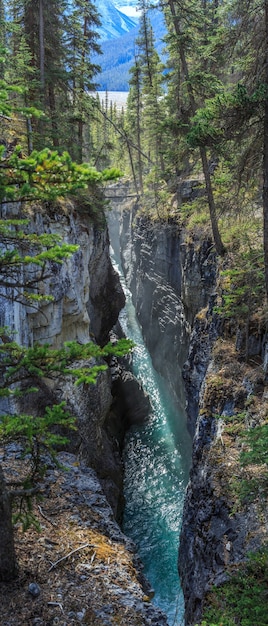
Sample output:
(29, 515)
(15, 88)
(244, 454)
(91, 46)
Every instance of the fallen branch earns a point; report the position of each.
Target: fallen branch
(63, 558)
(46, 518)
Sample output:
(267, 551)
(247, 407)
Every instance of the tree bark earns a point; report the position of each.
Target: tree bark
(42, 48)
(8, 568)
(2, 36)
(265, 159)
(53, 116)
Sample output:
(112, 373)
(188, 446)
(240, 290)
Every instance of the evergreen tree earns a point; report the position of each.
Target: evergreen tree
(151, 87)
(180, 28)
(81, 41)
(134, 120)
(2, 36)
(36, 31)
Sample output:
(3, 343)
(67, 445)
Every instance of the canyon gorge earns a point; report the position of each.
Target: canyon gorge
(172, 276)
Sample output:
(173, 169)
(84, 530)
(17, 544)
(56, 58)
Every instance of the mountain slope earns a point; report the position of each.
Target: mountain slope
(114, 22)
(118, 55)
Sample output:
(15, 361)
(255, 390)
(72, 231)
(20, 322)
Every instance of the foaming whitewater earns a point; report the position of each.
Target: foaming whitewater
(156, 460)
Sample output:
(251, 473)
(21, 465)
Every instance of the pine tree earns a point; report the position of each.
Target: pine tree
(2, 36)
(151, 87)
(265, 154)
(176, 18)
(81, 41)
(134, 120)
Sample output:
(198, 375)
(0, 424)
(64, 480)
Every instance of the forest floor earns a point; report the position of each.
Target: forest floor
(78, 568)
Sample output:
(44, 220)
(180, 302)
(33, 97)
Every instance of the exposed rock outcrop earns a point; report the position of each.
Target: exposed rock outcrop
(173, 283)
(220, 524)
(170, 282)
(87, 297)
(81, 568)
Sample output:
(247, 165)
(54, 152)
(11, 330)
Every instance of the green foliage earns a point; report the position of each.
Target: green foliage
(24, 515)
(257, 441)
(243, 286)
(21, 250)
(221, 116)
(256, 453)
(204, 131)
(36, 434)
(20, 366)
(242, 601)
(20, 363)
(46, 175)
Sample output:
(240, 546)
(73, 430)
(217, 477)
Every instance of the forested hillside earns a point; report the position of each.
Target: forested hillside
(118, 55)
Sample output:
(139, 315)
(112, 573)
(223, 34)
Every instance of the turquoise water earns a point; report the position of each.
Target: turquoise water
(156, 458)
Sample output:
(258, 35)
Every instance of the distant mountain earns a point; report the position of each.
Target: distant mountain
(114, 23)
(129, 7)
(119, 54)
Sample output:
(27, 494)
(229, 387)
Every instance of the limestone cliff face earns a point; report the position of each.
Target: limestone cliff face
(170, 281)
(87, 299)
(86, 290)
(173, 284)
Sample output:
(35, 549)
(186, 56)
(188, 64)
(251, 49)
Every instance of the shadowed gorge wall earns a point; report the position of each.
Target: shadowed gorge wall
(173, 281)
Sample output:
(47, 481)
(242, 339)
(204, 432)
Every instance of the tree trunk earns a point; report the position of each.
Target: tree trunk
(42, 49)
(203, 153)
(139, 110)
(2, 36)
(53, 116)
(7, 551)
(265, 160)
(212, 209)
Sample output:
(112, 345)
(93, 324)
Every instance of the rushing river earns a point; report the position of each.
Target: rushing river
(156, 458)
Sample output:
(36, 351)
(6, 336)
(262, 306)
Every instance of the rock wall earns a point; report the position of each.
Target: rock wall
(170, 281)
(221, 524)
(87, 298)
(173, 280)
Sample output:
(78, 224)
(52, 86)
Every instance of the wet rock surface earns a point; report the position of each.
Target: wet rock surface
(131, 403)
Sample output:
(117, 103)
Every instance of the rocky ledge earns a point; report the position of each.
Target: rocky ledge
(225, 512)
(79, 568)
(173, 279)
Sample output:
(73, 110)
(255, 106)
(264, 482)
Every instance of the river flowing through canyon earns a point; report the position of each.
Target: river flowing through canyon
(156, 460)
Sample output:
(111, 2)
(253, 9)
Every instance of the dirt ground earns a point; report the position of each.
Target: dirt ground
(75, 569)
